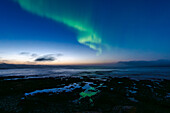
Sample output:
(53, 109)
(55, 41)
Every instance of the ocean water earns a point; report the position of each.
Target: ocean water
(141, 73)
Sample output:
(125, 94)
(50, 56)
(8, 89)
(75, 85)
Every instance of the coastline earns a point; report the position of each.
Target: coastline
(84, 93)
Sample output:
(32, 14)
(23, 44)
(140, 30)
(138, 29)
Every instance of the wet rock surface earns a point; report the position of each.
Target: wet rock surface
(84, 94)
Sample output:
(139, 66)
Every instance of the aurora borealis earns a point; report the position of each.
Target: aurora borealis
(65, 11)
(101, 31)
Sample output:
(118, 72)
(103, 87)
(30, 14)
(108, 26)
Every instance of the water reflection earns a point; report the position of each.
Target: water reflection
(86, 90)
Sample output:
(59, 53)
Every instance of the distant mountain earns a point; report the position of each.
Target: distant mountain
(15, 66)
(157, 63)
(4, 66)
(124, 64)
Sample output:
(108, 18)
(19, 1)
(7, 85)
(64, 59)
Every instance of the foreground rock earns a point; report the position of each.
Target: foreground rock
(84, 94)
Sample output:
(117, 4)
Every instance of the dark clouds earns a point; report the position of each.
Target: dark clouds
(34, 55)
(24, 53)
(45, 59)
(59, 54)
(162, 62)
(48, 57)
(28, 54)
(42, 58)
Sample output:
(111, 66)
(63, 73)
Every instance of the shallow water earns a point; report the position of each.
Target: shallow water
(133, 73)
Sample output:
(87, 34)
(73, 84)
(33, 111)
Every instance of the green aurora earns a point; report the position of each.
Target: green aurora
(75, 15)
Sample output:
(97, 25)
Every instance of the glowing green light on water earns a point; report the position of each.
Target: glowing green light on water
(89, 93)
(65, 11)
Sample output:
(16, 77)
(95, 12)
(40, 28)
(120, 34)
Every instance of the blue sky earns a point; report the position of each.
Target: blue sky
(84, 31)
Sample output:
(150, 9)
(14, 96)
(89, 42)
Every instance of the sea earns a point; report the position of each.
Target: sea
(98, 72)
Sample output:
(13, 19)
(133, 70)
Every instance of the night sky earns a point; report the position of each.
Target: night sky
(83, 31)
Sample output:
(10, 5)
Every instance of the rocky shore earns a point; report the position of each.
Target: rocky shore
(83, 95)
